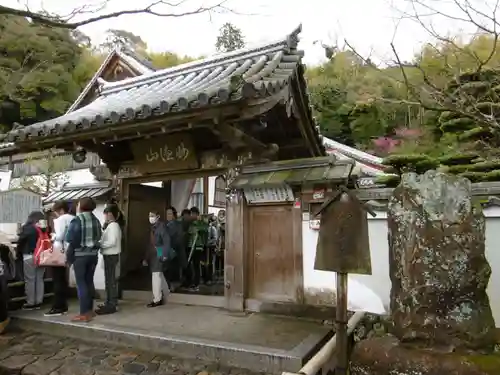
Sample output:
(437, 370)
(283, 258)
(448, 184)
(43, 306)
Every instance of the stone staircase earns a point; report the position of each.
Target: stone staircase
(17, 296)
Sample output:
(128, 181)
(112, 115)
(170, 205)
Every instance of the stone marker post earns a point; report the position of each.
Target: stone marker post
(437, 263)
(441, 314)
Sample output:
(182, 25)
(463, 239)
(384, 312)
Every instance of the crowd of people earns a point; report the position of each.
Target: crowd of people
(180, 248)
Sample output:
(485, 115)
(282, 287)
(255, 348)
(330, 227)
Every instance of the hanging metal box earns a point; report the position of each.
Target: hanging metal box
(343, 244)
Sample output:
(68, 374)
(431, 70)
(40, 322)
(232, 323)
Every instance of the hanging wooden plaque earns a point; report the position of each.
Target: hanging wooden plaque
(343, 244)
(167, 153)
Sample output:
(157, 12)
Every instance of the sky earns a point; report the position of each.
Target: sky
(368, 25)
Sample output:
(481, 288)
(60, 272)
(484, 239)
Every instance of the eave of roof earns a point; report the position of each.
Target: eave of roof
(75, 192)
(131, 61)
(294, 172)
(353, 153)
(248, 73)
(136, 62)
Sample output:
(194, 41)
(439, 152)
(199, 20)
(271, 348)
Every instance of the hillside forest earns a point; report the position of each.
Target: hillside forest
(438, 110)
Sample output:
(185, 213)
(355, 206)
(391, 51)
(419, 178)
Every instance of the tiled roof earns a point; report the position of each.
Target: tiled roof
(75, 192)
(247, 73)
(137, 62)
(294, 172)
(141, 66)
(352, 152)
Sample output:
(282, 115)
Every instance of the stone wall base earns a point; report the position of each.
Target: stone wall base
(384, 356)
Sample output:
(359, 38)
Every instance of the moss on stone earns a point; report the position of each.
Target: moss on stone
(488, 363)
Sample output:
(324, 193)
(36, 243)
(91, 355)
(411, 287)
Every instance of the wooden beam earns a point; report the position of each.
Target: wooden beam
(236, 111)
(236, 138)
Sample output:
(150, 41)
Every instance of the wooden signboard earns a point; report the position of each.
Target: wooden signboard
(282, 193)
(169, 153)
(343, 244)
(102, 173)
(220, 159)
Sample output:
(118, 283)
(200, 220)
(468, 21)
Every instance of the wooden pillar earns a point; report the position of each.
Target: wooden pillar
(298, 253)
(234, 268)
(167, 189)
(124, 205)
(206, 195)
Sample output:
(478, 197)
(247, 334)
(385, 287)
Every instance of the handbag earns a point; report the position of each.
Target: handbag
(171, 254)
(72, 277)
(52, 258)
(45, 255)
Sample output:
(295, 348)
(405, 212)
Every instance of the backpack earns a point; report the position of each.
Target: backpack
(43, 246)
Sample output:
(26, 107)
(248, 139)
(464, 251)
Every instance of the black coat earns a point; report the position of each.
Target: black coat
(26, 242)
(178, 236)
(160, 237)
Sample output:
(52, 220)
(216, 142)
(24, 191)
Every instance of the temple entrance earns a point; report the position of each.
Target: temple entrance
(159, 196)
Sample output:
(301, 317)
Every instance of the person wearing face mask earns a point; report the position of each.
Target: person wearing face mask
(160, 247)
(33, 275)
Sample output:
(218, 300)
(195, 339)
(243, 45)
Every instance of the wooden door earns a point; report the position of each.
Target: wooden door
(142, 200)
(272, 269)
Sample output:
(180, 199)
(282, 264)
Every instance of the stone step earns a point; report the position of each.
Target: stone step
(271, 358)
(17, 295)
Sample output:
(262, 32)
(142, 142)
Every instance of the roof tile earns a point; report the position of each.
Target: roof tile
(250, 72)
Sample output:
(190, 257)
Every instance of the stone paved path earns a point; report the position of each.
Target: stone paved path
(36, 354)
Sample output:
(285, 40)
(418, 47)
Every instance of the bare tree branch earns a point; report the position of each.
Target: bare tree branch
(152, 9)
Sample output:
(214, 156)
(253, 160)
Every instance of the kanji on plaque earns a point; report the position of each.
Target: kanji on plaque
(172, 152)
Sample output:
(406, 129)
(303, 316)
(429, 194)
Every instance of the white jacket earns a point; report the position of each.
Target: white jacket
(61, 225)
(111, 240)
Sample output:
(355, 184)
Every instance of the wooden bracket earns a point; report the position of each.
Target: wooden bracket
(236, 138)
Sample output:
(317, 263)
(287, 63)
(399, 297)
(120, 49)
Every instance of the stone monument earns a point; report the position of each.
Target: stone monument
(441, 315)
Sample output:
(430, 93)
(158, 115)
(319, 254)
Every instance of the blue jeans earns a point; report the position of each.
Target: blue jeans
(84, 274)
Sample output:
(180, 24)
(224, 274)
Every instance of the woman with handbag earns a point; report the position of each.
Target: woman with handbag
(35, 226)
(59, 273)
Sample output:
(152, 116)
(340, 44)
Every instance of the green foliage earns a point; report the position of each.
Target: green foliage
(36, 71)
(50, 172)
(230, 38)
(162, 60)
(118, 38)
(346, 95)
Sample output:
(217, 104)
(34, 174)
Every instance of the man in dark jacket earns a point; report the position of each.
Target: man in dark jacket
(159, 252)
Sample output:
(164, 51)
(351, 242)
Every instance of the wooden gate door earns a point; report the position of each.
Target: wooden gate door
(272, 272)
(142, 200)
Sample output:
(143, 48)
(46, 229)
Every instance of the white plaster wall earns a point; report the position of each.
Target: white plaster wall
(5, 180)
(79, 177)
(379, 282)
